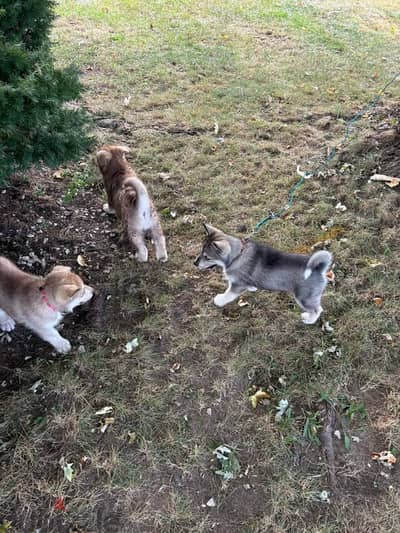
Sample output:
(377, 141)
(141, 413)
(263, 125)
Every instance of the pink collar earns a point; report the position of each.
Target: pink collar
(46, 300)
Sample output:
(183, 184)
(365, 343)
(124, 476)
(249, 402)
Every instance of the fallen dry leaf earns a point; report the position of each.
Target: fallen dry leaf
(211, 503)
(258, 397)
(81, 261)
(131, 437)
(175, 367)
(330, 275)
(105, 410)
(390, 181)
(68, 471)
(385, 457)
(131, 345)
(327, 327)
(58, 175)
(107, 422)
(373, 264)
(340, 207)
(164, 176)
(281, 408)
(303, 174)
(59, 504)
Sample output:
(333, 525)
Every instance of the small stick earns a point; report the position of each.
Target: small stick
(327, 442)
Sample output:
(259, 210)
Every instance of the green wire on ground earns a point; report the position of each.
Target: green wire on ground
(303, 176)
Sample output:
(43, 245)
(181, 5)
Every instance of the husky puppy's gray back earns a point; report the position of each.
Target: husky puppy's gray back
(264, 267)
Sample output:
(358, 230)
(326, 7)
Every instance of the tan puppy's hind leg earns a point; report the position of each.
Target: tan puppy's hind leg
(159, 244)
(142, 253)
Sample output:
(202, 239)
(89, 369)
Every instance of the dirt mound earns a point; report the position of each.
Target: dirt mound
(39, 230)
(378, 149)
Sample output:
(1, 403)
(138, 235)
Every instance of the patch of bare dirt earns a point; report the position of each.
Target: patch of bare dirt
(378, 150)
(38, 230)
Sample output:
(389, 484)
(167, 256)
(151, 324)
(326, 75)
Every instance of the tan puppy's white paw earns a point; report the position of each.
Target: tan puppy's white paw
(62, 345)
(7, 324)
(142, 257)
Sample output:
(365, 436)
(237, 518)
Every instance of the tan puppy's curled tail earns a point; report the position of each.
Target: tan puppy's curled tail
(129, 193)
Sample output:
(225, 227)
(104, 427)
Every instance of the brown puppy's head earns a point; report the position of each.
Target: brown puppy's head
(66, 289)
(111, 158)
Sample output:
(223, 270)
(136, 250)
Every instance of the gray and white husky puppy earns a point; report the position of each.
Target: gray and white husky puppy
(248, 265)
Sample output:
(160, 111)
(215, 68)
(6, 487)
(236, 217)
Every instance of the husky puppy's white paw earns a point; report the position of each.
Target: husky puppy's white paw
(311, 317)
(219, 300)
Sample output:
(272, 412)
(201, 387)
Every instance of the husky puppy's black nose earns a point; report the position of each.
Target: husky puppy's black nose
(196, 263)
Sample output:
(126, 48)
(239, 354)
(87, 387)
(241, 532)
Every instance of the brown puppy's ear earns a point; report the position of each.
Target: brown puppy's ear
(63, 293)
(103, 158)
(123, 149)
(210, 230)
(223, 246)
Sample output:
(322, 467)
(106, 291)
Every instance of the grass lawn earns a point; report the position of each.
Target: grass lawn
(219, 102)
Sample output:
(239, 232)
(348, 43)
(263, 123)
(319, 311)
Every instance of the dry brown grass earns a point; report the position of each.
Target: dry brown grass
(272, 75)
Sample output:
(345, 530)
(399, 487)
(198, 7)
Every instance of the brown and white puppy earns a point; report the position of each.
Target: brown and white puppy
(129, 200)
(40, 303)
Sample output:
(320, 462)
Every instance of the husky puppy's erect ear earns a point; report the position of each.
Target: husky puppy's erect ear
(222, 246)
(210, 230)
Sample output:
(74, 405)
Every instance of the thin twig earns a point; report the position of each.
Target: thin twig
(327, 442)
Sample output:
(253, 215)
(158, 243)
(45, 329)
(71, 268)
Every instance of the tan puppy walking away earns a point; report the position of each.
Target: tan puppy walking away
(129, 200)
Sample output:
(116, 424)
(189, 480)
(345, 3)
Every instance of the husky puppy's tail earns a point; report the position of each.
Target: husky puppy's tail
(319, 261)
